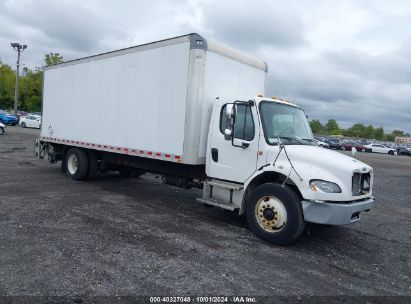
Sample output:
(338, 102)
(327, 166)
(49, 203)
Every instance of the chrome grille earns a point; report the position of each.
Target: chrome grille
(361, 183)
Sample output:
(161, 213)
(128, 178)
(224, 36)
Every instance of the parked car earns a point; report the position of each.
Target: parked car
(333, 143)
(377, 148)
(30, 121)
(321, 143)
(2, 129)
(21, 114)
(404, 151)
(350, 144)
(8, 119)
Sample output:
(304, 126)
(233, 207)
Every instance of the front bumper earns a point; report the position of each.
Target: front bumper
(335, 213)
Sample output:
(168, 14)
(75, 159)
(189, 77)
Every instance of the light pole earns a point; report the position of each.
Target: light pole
(19, 49)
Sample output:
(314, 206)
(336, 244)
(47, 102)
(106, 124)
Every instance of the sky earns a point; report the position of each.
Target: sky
(342, 59)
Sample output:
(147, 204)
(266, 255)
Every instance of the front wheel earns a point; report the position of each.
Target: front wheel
(391, 152)
(23, 125)
(274, 214)
(1, 130)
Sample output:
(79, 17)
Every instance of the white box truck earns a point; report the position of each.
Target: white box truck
(184, 108)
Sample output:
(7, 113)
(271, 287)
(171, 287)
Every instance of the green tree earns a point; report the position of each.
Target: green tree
(332, 127)
(53, 58)
(397, 133)
(379, 133)
(31, 90)
(389, 137)
(7, 83)
(357, 130)
(369, 132)
(316, 126)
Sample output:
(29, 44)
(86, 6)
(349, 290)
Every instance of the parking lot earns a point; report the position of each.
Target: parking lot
(136, 236)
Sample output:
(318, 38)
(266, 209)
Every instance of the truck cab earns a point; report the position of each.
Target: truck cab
(262, 160)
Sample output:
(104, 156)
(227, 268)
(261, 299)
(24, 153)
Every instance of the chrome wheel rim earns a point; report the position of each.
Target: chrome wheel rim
(271, 214)
(72, 164)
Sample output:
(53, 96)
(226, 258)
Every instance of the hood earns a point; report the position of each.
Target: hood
(312, 162)
(10, 116)
(321, 157)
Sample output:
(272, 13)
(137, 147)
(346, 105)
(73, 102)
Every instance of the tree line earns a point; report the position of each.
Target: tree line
(357, 130)
(30, 85)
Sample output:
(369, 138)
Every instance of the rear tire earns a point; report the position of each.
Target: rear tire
(274, 214)
(76, 164)
(391, 152)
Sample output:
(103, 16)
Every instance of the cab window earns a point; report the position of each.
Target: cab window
(244, 124)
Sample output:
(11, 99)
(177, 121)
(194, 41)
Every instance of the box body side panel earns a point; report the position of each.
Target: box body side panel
(136, 100)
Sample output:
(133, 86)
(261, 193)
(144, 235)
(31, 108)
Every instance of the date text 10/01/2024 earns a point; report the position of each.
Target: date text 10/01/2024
(207, 299)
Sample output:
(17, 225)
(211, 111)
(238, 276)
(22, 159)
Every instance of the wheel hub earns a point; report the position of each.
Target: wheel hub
(268, 214)
(271, 214)
(72, 164)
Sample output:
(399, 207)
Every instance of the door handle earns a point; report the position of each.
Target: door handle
(214, 154)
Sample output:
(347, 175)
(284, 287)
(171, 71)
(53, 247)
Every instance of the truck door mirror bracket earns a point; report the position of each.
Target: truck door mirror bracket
(228, 134)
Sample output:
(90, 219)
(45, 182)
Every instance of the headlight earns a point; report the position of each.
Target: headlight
(324, 186)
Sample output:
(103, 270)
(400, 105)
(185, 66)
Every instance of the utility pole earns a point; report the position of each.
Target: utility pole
(19, 49)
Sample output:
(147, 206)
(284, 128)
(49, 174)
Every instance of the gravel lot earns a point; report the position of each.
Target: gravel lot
(119, 236)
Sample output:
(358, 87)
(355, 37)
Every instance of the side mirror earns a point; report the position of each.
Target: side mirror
(229, 110)
(228, 133)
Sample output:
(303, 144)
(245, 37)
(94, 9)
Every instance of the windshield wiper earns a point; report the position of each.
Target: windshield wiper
(290, 138)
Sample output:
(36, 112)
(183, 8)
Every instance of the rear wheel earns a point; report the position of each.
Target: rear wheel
(76, 164)
(274, 214)
(391, 152)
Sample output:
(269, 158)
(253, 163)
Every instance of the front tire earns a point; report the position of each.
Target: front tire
(76, 164)
(391, 152)
(1, 130)
(23, 125)
(274, 214)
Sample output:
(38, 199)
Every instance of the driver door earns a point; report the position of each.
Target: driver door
(233, 159)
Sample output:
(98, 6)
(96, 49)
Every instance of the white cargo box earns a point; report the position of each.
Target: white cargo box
(152, 100)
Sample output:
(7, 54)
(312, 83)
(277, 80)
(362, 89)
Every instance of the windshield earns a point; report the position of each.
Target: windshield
(287, 123)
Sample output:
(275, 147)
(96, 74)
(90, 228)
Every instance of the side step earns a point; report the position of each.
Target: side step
(217, 203)
(225, 185)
